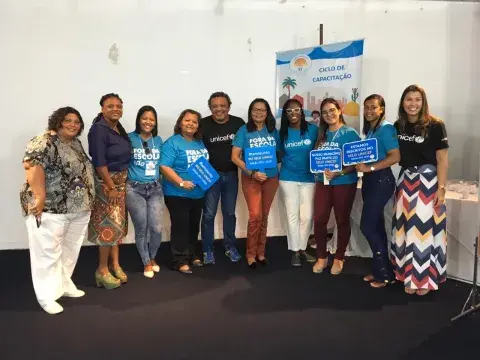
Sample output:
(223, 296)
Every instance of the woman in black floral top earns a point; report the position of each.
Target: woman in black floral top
(57, 199)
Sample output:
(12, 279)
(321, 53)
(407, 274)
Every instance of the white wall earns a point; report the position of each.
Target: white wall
(174, 54)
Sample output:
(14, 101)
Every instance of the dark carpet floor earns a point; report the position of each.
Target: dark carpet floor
(228, 311)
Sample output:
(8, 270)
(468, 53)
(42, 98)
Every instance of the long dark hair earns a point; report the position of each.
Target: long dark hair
(269, 121)
(366, 124)
(120, 128)
(284, 121)
(140, 112)
(177, 129)
(424, 117)
(322, 133)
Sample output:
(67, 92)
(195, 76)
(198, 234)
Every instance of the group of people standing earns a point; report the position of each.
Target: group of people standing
(67, 193)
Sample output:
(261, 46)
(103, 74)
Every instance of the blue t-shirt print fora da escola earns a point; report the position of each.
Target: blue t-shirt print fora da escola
(296, 155)
(179, 154)
(144, 160)
(335, 140)
(245, 139)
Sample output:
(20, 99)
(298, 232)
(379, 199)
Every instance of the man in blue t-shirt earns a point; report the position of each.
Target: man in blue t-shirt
(218, 131)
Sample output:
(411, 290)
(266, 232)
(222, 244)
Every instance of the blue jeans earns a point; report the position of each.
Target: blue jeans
(377, 189)
(226, 189)
(145, 206)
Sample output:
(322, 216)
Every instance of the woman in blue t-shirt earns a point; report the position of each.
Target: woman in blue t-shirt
(144, 191)
(378, 186)
(297, 183)
(183, 198)
(340, 190)
(259, 185)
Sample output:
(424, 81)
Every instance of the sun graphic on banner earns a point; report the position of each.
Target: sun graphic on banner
(300, 64)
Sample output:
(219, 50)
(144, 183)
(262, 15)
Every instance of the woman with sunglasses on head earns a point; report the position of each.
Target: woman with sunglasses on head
(419, 244)
(260, 185)
(378, 186)
(144, 191)
(183, 198)
(110, 149)
(340, 191)
(297, 183)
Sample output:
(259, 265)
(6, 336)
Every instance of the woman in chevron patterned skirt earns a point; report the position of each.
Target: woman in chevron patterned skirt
(419, 240)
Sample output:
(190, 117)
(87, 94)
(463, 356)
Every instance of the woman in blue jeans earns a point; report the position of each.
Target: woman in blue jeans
(378, 186)
(144, 191)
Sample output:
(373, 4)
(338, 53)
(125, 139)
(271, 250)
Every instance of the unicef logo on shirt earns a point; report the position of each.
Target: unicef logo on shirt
(307, 142)
(419, 139)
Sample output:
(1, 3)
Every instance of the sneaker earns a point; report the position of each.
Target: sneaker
(74, 294)
(307, 257)
(52, 308)
(233, 255)
(208, 258)
(296, 260)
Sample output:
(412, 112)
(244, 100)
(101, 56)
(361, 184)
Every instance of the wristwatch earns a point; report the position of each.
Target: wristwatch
(372, 168)
(181, 184)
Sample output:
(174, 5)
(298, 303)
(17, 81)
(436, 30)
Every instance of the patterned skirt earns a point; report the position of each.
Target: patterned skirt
(109, 224)
(419, 242)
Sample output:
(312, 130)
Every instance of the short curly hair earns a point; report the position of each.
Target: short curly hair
(55, 120)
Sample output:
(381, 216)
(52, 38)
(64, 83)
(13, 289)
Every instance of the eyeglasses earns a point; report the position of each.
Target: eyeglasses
(259, 111)
(294, 110)
(329, 111)
(146, 148)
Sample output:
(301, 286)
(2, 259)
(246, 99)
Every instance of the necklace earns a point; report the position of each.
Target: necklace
(336, 133)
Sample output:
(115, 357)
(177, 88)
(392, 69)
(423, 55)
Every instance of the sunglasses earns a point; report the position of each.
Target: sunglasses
(146, 148)
(294, 110)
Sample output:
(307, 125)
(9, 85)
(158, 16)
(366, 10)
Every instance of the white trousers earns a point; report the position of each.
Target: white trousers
(54, 250)
(296, 201)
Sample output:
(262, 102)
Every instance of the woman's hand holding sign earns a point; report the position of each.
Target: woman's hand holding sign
(260, 176)
(330, 175)
(188, 185)
(362, 168)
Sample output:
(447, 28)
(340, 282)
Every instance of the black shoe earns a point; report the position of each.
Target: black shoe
(307, 257)
(264, 262)
(253, 265)
(296, 260)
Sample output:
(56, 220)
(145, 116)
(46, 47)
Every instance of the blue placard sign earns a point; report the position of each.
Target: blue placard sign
(325, 159)
(260, 158)
(357, 152)
(203, 174)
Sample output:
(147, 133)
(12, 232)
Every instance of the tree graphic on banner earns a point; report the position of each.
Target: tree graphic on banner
(289, 83)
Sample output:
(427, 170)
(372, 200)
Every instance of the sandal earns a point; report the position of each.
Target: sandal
(119, 274)
(337, 267)
(197, 263)
(185, 269)
(368, 278)
(378, 285)
(410, 291)
(320, 265)
(422, 292)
